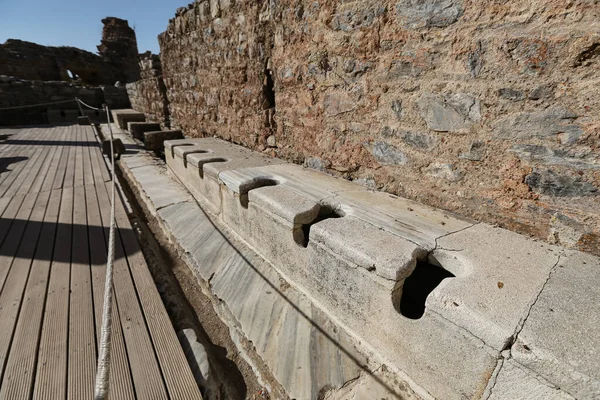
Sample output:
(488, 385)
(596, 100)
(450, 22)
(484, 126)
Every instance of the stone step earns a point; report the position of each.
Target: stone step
(124, 116)
(137, 129)
(154, 140)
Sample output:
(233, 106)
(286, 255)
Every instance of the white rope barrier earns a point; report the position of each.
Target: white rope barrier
(37, 105)
(88, 106)
(103, 370)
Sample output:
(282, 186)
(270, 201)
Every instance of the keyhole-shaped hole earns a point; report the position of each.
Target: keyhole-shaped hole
(418, 286)
(325, 212)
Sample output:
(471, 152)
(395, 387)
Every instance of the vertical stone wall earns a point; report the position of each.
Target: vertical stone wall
(149, 94)
(486, 109)
(215, 66)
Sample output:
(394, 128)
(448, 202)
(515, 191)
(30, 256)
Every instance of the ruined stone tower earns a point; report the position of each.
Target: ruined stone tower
(119, 48)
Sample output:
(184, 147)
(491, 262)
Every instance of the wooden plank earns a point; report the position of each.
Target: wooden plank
(55, 164)
(87, 142)
(78, 159)
(82, 340)
(31, 170)
(15, 278)
(19, 174)
(144, 366)
(20, 368)
(22, 150)
(121, 385)
(43, 171)
(92, 148)
(14, 233)
(8, 216)
(104, 170)
(13, 150)
(95, 165)
(176, 372)
(51, 372)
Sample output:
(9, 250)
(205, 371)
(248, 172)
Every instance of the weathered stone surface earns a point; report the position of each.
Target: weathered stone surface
(508, 281)
(195, 351)
(351, 16)
(117, 146)
(124, 117)
(149, 94)
(323, 91)
(541, 92)
(386, 153)
(554, 122)
(397, 108)
(32, 61)
(137, 129)
(552, 184)
(418, 140)
(154, 140)
(449, 113)
(443, 171)
(476, 152)
(515, 382)
(511, 94)
(369, 247)
(560, 336)
(336, 104)
(425, 14)
(546, 155)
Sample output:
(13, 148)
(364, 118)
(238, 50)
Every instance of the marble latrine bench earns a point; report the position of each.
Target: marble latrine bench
(437, 296)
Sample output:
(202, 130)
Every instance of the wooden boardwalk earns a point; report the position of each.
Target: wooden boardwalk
(55, 211)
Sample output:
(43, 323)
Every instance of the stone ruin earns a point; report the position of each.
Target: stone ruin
(117, 60)
(32, 74)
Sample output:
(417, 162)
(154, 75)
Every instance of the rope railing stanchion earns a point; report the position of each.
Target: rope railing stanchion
(103, 370)
(79, 105)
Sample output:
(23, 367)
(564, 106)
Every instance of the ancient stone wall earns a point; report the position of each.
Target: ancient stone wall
(117, 59)
(15, 93)
(487, 109)
(148, 94)
(119, 49)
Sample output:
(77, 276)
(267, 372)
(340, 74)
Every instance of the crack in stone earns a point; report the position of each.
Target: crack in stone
(521, 324)
(436, 247)
(494, 378)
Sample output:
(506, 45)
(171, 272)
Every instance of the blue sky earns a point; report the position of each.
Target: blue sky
(77, 23)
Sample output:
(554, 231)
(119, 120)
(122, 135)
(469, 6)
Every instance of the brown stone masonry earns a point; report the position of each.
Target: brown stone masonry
(487, 109)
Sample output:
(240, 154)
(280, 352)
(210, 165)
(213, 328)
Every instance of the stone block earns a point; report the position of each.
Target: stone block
(117, 146)
(539, 124)
(560, 337)
(137, 129)
(285, 328)
(428, 13)
(515, 382)
(449, 113)
(353, 250)
(154, 140)
(498, 275)
(83, 120)
(198, 162)
(122, 117)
